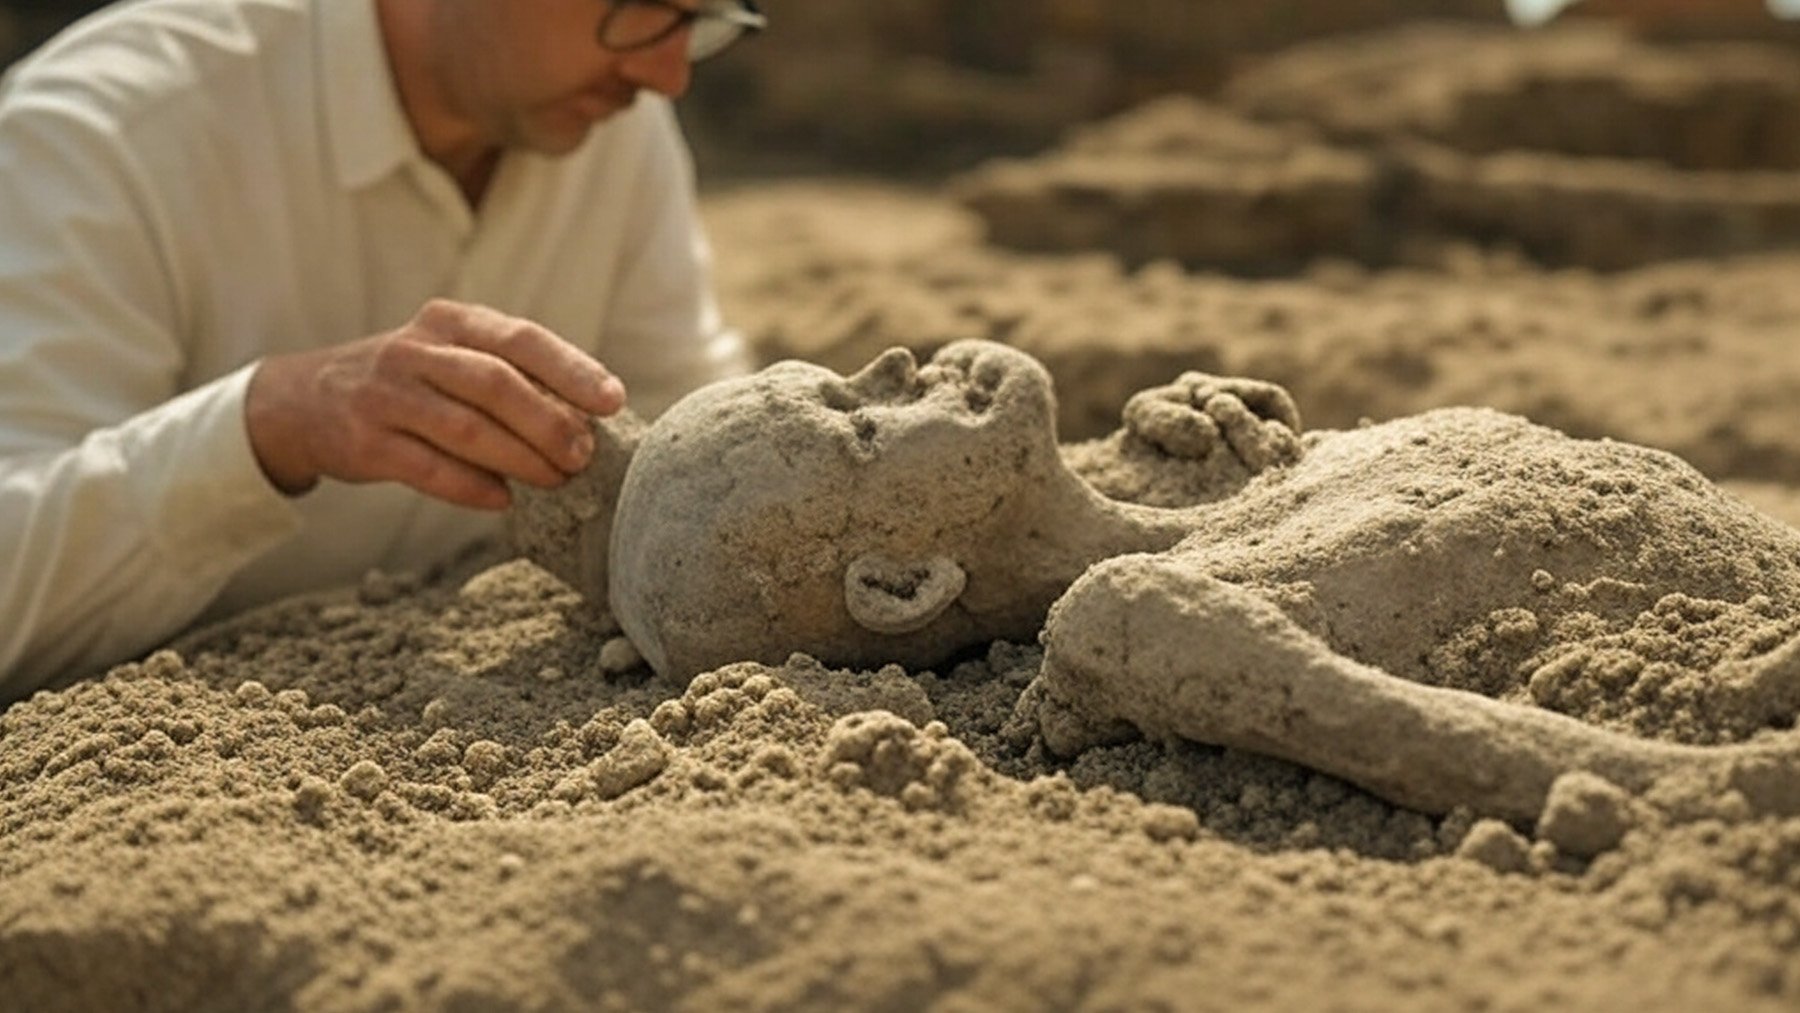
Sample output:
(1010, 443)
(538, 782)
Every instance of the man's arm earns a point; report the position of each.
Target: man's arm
(126, 503)
(123, 506)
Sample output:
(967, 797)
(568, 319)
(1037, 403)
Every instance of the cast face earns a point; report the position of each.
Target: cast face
(903, 449)
(531, 74)
(749, 502)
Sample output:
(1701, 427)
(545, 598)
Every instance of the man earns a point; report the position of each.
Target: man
(292, 289)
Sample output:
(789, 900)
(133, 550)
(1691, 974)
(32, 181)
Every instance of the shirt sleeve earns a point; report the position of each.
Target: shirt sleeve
(128, 490)
(664, 335)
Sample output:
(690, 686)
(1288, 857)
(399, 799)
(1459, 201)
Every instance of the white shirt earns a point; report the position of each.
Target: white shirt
(187, 186)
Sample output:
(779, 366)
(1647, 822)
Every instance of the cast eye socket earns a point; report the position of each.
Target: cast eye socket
(864, 425)
(988, 374)
(837, 396)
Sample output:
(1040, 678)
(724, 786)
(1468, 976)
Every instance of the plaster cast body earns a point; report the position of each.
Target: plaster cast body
(906, 513)
(897, 515)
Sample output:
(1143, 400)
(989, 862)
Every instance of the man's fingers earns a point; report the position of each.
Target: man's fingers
(455, 404)
(465, 432)
(565, 370)
(554, 429)
(417, 463)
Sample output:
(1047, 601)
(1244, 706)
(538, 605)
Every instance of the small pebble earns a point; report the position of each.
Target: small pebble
(1585, 815)
(638, 758)
(1495, 845)
(618, 656)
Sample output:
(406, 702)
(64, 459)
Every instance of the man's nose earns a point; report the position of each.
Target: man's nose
(663, 68)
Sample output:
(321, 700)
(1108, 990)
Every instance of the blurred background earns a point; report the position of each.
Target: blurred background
(929, 85)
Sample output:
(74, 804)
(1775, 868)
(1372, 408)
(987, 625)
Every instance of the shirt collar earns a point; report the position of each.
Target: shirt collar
(365, 124)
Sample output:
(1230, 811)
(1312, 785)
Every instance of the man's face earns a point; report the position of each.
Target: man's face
(532, 74)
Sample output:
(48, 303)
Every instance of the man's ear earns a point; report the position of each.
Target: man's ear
(567, 530)
(893, 596)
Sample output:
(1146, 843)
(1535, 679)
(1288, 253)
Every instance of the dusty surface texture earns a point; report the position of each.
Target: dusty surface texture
(467, 791)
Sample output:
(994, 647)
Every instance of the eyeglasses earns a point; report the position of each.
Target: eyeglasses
(640, 24)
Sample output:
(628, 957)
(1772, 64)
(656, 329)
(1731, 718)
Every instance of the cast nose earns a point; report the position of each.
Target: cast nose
(663, 68)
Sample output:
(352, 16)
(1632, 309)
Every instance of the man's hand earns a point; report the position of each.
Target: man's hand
(454, 403)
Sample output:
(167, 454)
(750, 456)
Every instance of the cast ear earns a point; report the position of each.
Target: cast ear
(567, 530)
(900, 596)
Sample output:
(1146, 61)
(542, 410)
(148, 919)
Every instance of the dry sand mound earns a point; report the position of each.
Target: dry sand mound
(1185, 180)
(1582, 89)
(1576, 145)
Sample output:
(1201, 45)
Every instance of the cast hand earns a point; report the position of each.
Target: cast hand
(455, 403)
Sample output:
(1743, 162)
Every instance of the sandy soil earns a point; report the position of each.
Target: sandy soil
(464, 791)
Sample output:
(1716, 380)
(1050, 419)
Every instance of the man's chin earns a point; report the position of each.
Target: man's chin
(562, 128)
(558, 143)
(594, 108)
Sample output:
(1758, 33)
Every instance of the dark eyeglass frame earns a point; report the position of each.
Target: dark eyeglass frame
(718, 25)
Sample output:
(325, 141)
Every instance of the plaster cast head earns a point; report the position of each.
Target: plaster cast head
(875, 518)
